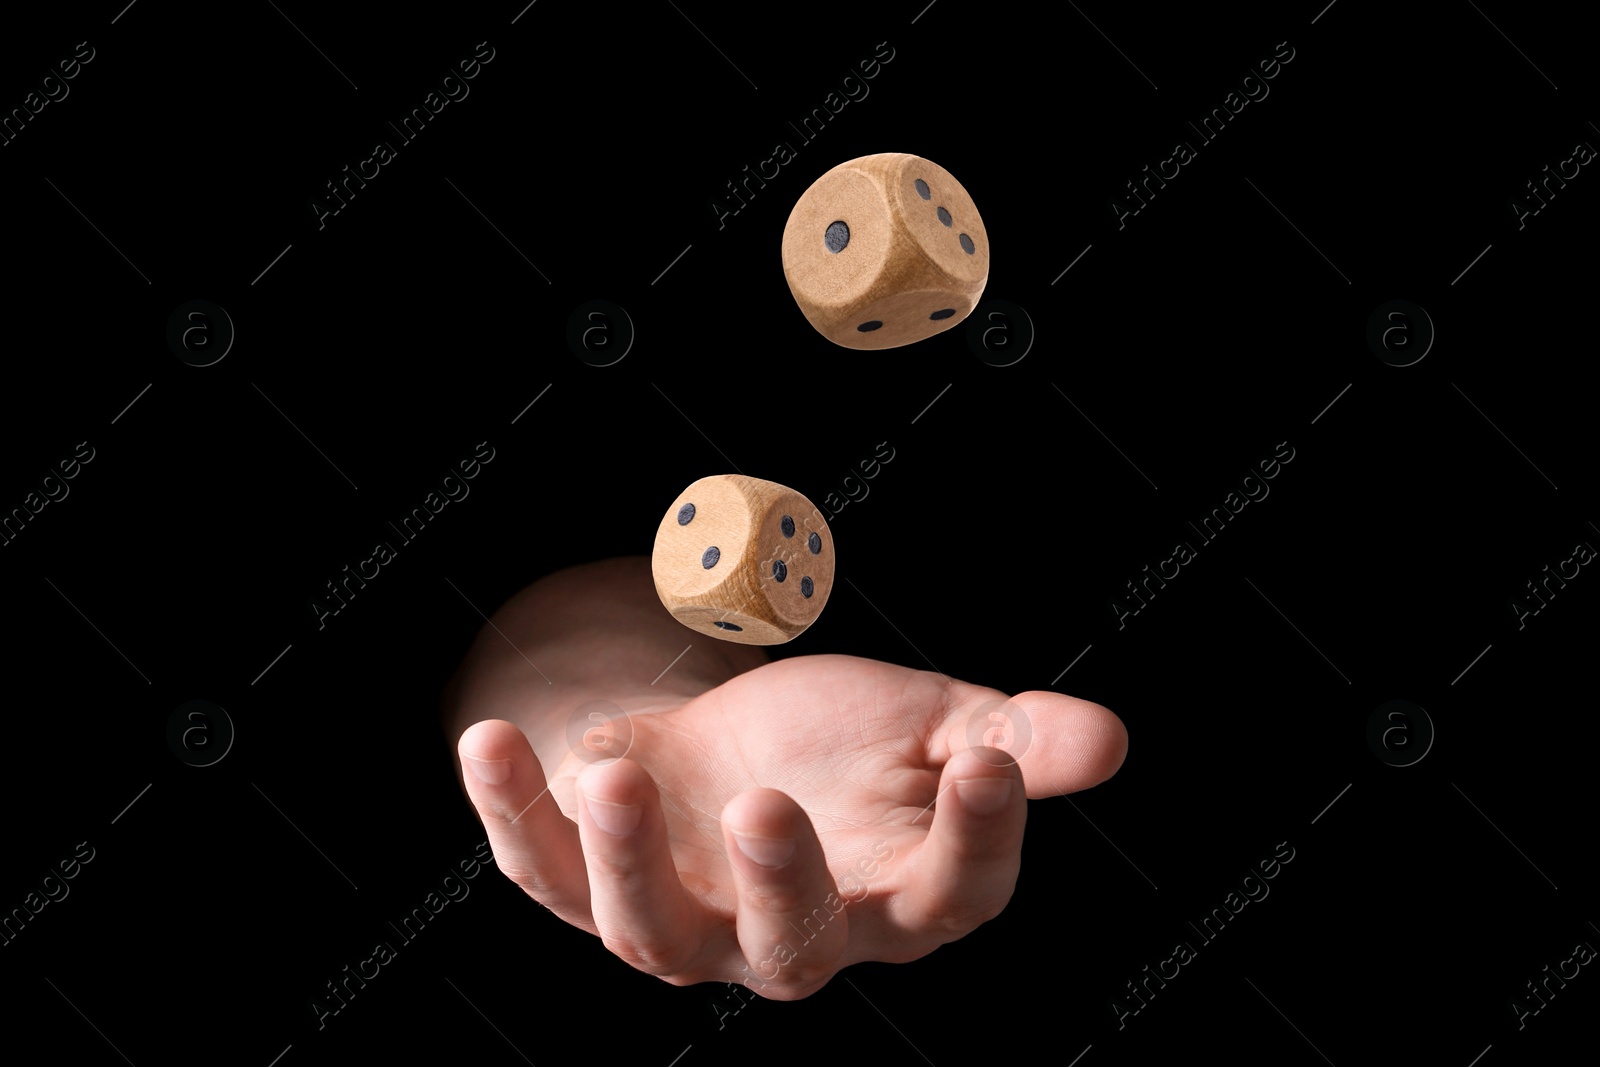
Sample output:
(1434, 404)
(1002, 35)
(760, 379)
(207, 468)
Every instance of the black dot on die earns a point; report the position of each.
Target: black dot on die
(685, 514)
(719, 624)
(709, 558)
(780, 570)
(922, 189)
(814, 543)
(944, 217)
(868, 327)
(945, 314)
(836, 237)
(966, 245)
(807, 587)
(787, 526)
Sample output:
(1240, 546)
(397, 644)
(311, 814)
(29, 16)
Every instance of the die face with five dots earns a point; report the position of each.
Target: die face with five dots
(884, 251)
(743, 560)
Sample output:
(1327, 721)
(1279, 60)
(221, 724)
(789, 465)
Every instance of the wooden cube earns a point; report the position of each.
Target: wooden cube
(884, 251)
(745, 560)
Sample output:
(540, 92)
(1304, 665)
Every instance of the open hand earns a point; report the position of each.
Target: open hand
(799, 817)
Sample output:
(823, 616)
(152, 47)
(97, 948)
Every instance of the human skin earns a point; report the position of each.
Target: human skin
(746, 794)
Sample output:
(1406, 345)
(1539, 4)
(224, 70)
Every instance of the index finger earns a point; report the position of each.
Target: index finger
(535, 845)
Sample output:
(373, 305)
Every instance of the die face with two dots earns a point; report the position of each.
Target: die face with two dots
(884, 251)
(743, 560)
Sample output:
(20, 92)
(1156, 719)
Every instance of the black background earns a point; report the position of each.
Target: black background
(1179, 350)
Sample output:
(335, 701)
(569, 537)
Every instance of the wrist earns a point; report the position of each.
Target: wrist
(594, 632)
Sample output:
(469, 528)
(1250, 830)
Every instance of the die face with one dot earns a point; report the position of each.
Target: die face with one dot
(743, 560)
(884, 251)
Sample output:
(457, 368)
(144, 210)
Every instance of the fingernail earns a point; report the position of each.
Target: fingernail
(490, 771)
(618, 820)
(983, 796)
(767, 851)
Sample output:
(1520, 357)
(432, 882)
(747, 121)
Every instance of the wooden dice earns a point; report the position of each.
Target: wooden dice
(885, 250)
(743, 560)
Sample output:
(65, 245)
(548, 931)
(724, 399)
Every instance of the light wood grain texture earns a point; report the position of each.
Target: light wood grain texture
(760, 572)
(902, 262)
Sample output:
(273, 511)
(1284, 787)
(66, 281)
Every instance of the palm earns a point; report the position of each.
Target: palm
(847, 739)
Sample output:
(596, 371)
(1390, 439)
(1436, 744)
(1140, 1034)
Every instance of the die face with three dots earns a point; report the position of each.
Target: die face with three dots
(884, 251)
(743, 560)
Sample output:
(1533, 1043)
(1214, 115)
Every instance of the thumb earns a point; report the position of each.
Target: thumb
(1062, 744)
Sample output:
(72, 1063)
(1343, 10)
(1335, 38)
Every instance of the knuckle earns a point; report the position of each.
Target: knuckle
(798, 988)
(652, 955)
(525, 875)
(782, 898)
(623, 871)
(540, 889)
(957, 918)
